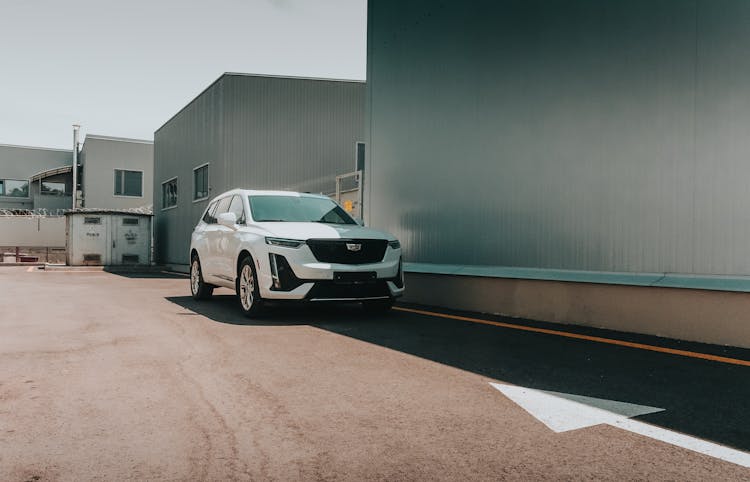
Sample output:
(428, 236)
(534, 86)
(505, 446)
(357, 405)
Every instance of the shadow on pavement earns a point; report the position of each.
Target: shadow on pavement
(136, 274)
(702, 398)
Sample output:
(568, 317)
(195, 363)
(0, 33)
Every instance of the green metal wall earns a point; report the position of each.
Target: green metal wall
(584, 135)
(256, 132)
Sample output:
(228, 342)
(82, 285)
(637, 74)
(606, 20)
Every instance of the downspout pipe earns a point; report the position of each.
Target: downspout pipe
(75, 165)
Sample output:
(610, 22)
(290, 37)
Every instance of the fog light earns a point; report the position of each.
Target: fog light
(399, 282)
(274, 271)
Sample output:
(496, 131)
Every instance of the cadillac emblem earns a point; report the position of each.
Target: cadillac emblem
(354, 247)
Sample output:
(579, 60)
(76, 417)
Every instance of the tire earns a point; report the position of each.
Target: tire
(378, 306)
(199, 288)
(246, 287)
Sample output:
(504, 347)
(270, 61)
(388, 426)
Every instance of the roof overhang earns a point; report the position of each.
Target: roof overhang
(51, 172)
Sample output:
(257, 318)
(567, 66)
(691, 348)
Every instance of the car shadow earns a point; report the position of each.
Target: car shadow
(702, 398)
(224, 309)
(143, 274)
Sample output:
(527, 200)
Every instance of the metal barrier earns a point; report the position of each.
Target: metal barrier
(38, 254)
(350, 196)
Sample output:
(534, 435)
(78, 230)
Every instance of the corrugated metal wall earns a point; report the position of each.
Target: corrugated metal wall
(256, 132)
(189, 139)
(562, 134)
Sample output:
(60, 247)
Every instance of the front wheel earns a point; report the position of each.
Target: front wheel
(247, 289)
(378, 306)
(198, 287)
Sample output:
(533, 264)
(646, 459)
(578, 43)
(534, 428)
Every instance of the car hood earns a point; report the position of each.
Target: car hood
(322, 231)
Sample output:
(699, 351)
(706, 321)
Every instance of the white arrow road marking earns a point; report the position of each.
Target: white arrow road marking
(563, 411)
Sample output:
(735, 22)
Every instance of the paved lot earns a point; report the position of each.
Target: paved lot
(111, 377)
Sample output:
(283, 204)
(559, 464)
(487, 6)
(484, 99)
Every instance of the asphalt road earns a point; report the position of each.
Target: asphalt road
(111, 377)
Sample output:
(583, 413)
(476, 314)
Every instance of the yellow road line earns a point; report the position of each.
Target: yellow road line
(598, 339)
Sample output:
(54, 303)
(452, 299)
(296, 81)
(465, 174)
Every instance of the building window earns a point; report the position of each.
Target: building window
(169, 193)
(360, 156)
(14, 188)
(200, 182)
(53, 188)
(128, 183)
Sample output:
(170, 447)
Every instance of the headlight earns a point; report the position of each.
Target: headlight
(287, 243)
(394, 244)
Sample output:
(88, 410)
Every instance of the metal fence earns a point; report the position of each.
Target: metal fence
(42, 254)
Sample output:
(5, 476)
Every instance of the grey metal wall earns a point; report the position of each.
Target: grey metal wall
(100, 156)
(562, 134)
(256, 132)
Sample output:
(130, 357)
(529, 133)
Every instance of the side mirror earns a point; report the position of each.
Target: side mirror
(228, 219)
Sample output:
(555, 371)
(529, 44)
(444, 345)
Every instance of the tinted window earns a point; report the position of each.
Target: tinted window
(128, 183)
(236, 208)
(169, 194)
(57, 188)
(209, 216)
(223, 206)
(15, 188)
(200, 183)
(297, 209)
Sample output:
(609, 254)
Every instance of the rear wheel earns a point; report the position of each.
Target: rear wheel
(198, 287)
(378, 306)
(247, 289)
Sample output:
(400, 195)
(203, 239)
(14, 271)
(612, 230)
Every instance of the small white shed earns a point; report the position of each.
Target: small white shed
(107, 237)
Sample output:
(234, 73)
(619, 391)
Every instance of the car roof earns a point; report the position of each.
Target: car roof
(256, 192)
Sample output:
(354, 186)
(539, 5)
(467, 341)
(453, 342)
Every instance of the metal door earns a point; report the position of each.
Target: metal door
(88, 239)
(130, 240)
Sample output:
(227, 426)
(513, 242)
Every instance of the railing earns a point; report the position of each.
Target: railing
(38, 254)
(61, 212)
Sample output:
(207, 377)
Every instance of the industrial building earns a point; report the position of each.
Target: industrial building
(254, 132)
(117, 173)
(35, 177)
(114, 173)
(36, 187)
(579, 161)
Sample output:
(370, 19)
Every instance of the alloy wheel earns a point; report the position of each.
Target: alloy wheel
(195, 276)
(247, 287)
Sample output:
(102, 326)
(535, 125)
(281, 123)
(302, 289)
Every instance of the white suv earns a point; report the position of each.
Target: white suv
(277, 245)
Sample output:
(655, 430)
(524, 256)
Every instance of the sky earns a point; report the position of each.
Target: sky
(123, 68)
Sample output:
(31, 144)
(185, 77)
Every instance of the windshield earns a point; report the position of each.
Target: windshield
(297, 209)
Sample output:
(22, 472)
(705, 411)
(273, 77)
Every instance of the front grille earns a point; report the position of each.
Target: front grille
(332, 290)
(336, 250)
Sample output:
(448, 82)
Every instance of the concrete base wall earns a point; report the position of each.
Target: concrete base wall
(716, 317)
(36, 231)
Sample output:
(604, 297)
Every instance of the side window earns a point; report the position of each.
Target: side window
(200, 182)
(209, 217)
(223, 206)
(169, 193)
(236, 208)
(128, 183)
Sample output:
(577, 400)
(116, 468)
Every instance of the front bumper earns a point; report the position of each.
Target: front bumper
(293, 274)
